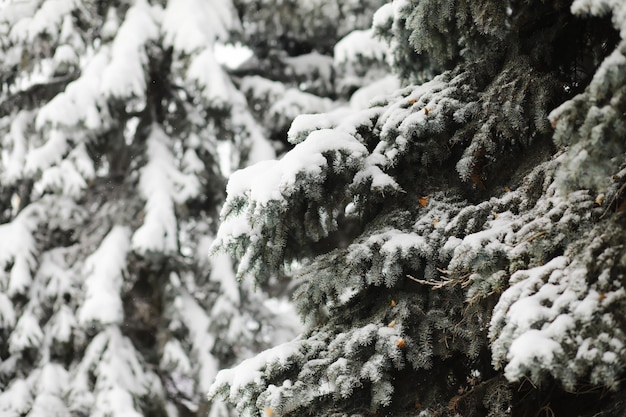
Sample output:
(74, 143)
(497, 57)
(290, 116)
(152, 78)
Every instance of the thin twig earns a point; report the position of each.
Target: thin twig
(443, 283)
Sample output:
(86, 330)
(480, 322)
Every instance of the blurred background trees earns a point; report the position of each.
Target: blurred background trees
(119, 126)
(457, 243)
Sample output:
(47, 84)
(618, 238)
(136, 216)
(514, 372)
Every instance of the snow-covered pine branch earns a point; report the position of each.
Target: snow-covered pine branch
(488, 247)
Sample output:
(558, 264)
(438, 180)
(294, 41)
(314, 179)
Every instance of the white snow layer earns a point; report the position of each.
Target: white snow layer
(250, 371)
(268, 180)
(360, 43)
(45, 19)
(191, 25)
(27, 334)
(17, 250)
(202, 341)
(364, 96)
(125, 74)
(119, 375)
(208, 75)
(162, 184)
(105, 275)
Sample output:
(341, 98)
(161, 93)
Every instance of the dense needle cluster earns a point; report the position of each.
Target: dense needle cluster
(456, 238)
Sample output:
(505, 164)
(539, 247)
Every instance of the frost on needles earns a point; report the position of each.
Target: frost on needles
(459, 242)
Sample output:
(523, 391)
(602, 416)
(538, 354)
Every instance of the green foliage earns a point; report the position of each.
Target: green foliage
(445, 250)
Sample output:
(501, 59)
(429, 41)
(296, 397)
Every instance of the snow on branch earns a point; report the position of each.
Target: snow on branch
(16, 398)
(7, 312)
(16, 146)
(278, 104)
(81, 101)
(329, 165)
(205, 23)
(193, 44)
(327, 365)
(162, 185)
(18, 252)
(196, 319)
(258, 192)
(120, 377)
(206, 74)
(27, 334)
(70, 177)
(125, 74)
(105, 274)
(49, 386)
(47, 19)
(252, 372)
(360, 43)
(552, 319)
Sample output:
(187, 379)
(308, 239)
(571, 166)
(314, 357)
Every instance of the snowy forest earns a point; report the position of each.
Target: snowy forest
(269, 208)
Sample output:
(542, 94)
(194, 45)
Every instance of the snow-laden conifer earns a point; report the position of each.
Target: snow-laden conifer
(458, 242)
(111, 116)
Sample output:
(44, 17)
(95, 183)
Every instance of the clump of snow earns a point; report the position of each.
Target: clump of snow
(65, 54)
(7, 312)
(294, 102)
(62, 325)
(231, 55)
(304, 124)
(125, 74)
(27, 333)
(49, 154)
(269, 180)
(273, 182)
(383, 16)
(311, 63)
(251, 371)
(210, 77)
(162, 184)
(360, 43)
(534, 323)
(260, 148)
(112, 364)
(364, 96)
(403, 243)
(282, 105)
(198, 321)
(70, 176)
(222, 272)
(174, 357)
(105, 271)
(372, 172)
(17, 253)
(204, 23)
(110, 26)
(81, 101)
(43, 19)
(531, 348)
(15, 147)
(16, 398)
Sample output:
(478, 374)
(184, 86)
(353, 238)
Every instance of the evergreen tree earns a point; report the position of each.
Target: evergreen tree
(294, 69)
(458, 245)
(111, 117)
